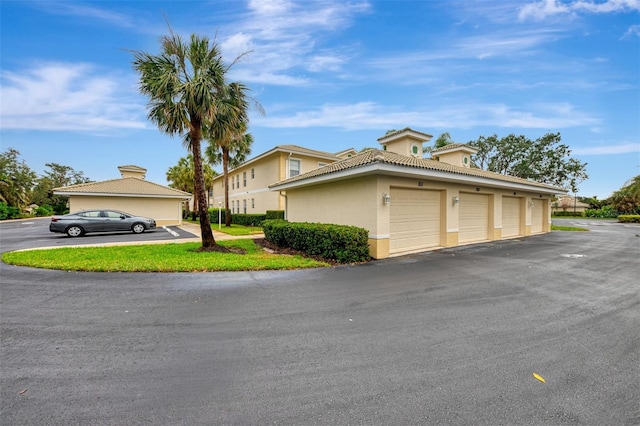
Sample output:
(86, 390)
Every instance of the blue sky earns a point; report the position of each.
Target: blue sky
(330, 75)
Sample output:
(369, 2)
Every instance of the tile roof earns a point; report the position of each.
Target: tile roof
(453, 146)
(374, 156)
(129, 186)
(308, 151)
(406, 129)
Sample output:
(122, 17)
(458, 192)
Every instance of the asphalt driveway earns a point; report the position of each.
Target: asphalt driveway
(445, 337)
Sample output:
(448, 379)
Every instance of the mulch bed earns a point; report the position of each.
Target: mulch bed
(269, 246)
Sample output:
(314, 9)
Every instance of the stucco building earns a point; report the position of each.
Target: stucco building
(408, 203)
(131, 193)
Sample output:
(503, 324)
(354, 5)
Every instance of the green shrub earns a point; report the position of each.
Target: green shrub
(605, 212)
(567, 213)
(213, 215)
(248, 219)
(44, 210)
(9, 212)
(629, 218)
(275, 214)
(344, 244)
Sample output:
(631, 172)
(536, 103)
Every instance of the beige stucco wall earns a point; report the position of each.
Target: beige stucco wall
(266, 171)
(358, 202)
(165, 211)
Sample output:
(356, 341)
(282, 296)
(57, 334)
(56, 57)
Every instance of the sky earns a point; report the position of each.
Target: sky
(330, 75)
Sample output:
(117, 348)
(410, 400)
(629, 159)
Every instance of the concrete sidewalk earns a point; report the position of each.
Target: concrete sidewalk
(194, 229)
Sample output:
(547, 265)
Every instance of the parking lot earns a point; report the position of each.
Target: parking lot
(444, 337)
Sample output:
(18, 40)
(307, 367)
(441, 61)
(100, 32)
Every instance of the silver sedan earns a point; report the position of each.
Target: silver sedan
(79, 223)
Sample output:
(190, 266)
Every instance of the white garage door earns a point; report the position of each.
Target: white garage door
(474, 217)
(537, 216)
(415, 219)
(511, 217)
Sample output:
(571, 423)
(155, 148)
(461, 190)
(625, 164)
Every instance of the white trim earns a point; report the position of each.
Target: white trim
(379, 237)
(453, 230)
(110, 194)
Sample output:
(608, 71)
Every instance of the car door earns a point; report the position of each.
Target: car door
(91, 221)
(115, 221)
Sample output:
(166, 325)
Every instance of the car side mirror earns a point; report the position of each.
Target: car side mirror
(122, 216)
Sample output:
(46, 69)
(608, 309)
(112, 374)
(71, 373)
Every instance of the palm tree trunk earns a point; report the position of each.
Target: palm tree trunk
(225, 172)
(205, 224)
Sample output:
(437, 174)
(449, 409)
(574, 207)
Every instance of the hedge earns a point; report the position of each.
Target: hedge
(566, 213)
(245, 219)
(344, 244)
(629, 218)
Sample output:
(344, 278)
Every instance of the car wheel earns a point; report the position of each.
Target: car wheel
(138, 228)
(75, 231)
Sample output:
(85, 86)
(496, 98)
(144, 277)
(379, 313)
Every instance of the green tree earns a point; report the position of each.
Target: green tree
(229, 142)
(543, 160)
(443, 140)
(182, 176)
(627, 198)
(56, 176)
(186, 85)
(16, 180)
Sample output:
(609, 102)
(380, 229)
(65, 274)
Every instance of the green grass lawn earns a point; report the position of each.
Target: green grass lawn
(567, 228)
(177, 257)
(236, 230)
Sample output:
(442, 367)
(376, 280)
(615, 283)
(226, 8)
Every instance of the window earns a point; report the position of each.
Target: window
(320, 164)
(233, 183)
(244, 206)
(238, 182)
(244, 178)
(294, 167)
(414, 149)
(252, 174)
(253, 203)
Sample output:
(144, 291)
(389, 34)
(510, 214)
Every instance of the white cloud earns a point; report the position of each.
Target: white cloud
(633, 30)
(285, 38)
(67, 96)
(88, 12)
(624, 148)
(369, 115)
(543, 9)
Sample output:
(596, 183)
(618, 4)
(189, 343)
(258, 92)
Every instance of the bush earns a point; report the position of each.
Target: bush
(567, 213)
(605, 212)
(213, 215)
(248, 219)
(9, 212)
(629, 218)
(344, 244)
(44, 210)
(275, 214)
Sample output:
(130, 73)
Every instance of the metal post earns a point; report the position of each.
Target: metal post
(220, 215)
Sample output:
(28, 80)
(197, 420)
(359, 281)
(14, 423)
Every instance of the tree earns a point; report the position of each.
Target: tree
(56, 176)
(186, 86)
(443, 140)
(544, 160)
(228, 141)
(16, 180)
(627, 198)
(182, 176)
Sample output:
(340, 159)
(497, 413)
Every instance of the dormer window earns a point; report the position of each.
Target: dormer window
(414, 149)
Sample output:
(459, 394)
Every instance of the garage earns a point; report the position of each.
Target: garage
(414, 219)
(474, 217)
(511, 215)
(537, 216)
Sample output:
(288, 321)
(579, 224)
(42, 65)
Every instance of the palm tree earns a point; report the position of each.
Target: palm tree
(185, 84)
(228, 141)
(182, 176)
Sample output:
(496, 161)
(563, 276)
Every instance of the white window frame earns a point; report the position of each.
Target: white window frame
(291, 160)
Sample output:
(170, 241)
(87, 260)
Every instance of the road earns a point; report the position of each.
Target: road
(444, 337)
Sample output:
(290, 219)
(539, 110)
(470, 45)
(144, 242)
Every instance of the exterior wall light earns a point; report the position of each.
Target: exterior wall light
(386, 198)
(456, 201)
(531, 204)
